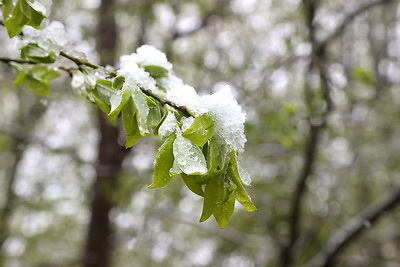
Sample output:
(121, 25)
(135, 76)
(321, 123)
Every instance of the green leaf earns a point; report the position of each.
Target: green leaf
(201, 130)
(105, 107)
(22, 14)
(37, 54)
(189, 157)
(163, 163)
(141, 109)
(213, 155)
(214, 194)
(223, 158)
(118, 82)
(223, 212)
(155, 116)
(35, 18)
(118, 100)
(192, 184)
(175, 170)
(156, 72)
(7, 8)
(130, 124)
(168, 126)
(20, 78)
(40, 87)
(241, 194)
(37, 77)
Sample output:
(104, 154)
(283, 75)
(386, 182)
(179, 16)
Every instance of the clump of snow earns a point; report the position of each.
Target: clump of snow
(52, 38)
(129, 68)
(180, 93)
(168, 126)
(42, 6)
(186, 122)
(244, 175)
(228, 114)
(222, 105)
(147, 55)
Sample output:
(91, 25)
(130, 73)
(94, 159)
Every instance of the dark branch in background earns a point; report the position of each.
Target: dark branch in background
(354, 228)
(350, 16)
(295, 215)
(317, 62)
(217, 10)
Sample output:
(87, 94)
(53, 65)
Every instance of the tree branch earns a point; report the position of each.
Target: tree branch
(316, 123)
(20, 61)
(354, 228)
(185, 110)
(350, 16)
(81, 62)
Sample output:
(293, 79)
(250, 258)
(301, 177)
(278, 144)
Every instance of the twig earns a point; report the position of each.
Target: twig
(354, 228)
(20, 61)
(348, 19)
(80, 62)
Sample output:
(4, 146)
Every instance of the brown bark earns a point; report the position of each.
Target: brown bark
(110, 157)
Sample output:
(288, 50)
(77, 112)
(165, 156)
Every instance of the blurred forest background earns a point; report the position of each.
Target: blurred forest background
(319, 81)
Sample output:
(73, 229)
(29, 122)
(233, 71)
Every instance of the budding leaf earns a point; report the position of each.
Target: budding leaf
(164, 162)
(201, 130)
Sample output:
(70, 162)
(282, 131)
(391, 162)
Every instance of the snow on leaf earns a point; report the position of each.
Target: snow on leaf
(168, 126)
(147, 55)
(189, 156)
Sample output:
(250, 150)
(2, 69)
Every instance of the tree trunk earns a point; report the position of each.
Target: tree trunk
(110, 157)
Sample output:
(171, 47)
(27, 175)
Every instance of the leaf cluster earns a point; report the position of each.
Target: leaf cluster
(192, 150)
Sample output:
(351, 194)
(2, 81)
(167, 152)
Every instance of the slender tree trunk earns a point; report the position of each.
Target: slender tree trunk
(110, 156)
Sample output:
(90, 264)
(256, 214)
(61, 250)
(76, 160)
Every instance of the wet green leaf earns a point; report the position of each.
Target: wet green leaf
(241, 194)
(223, 212)
(154, 118)
(22, 14)
(163, 163)
(130, 124)
(201, 130)
(192, 184)
(141, 109)
(118, 82)
(37, 54)
(189, 157)
(118, 100)
(214, 194)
